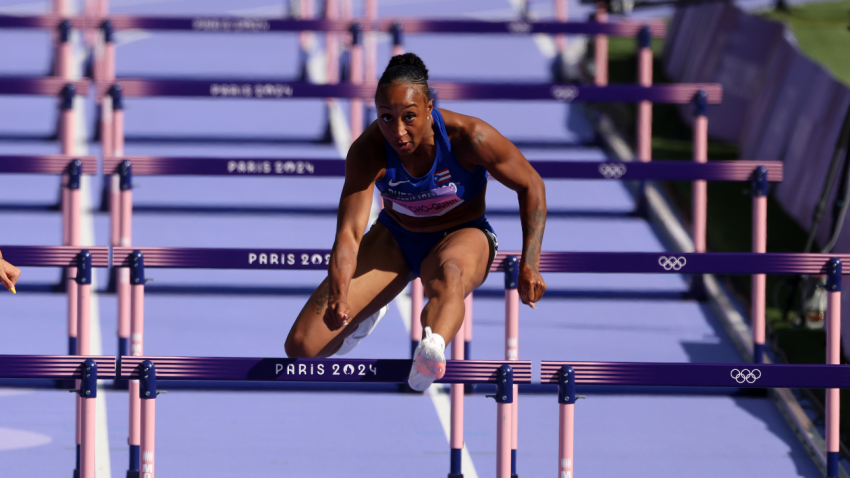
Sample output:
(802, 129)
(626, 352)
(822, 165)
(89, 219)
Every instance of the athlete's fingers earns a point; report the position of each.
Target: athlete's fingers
(4, 279)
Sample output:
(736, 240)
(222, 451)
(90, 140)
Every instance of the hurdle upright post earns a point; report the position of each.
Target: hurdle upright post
(504, 420)
(759, 281)
(600, 48)
(65, 133)
(833, 357)
(512, 342)
(699, 189)
(147, 397)
(123, 274)
(467, 329)
(398, 39)
(457, 392)
(644, 119)
(73, 203)
(87, 395)
(64, 63)
(83, 346)
(417, 294)
(561, 15)
(117, 134)
(356, 78)
(137, 329)
(566, 420)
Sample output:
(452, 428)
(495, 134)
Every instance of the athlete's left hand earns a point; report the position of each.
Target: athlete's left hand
(531, 285)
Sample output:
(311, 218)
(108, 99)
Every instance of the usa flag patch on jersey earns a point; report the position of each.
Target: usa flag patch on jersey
(442, 176)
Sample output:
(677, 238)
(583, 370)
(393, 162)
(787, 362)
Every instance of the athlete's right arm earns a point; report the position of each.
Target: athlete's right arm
(362, 168)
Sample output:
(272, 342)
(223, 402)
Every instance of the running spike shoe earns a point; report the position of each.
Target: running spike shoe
(363, 329)
(429, 363)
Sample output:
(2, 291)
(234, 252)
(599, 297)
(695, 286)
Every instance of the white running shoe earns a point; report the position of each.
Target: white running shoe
(429, 363)
(363, 329)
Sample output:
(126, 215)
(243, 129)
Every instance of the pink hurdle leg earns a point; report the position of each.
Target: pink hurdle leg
(457, 392)
(759, 246)
(561, 15)
(833, 356)
(115, 185)
(356, 72)
(566, 421)
(467, 327)
(148, 417)
(512, 341)
(600, 54)
(504, 417)
(87, 398)
(417, 294)
(700, 191)
(398, 39)
(644, 120)
(137, 329)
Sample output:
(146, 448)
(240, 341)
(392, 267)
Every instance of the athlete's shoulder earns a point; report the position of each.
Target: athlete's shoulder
(461, 128)
(368, 152)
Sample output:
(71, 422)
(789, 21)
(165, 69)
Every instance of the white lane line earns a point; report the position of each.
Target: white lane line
(102, 457)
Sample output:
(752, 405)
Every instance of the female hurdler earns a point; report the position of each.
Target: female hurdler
(431, 166)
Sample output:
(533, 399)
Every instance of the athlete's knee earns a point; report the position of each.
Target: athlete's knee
(297, 346)
(448, 280)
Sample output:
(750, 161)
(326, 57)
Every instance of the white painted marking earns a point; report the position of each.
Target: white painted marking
(11, 439)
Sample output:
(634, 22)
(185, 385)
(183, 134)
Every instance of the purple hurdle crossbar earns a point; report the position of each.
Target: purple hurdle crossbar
(232, 24)
(85, 370)
(568, 374)
(277, 90)
(148, 370)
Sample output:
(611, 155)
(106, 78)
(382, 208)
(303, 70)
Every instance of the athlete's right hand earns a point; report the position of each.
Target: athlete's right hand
(337, 314)
(9, 274)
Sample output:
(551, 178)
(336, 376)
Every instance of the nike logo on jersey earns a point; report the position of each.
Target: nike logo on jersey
(392, 184)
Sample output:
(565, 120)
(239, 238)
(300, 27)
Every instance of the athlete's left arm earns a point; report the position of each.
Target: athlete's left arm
(488, 148)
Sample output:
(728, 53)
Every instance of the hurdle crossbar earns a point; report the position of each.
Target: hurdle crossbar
(46, 164)
(700, 375)
(56, 367)
(567, 375)
(658, 170)
(314, 370)
(41, 86)
(570, 262)
(277, 90)
(54, 256)
(235, 24)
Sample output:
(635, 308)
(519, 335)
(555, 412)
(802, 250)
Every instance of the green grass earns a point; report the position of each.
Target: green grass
(821, 30)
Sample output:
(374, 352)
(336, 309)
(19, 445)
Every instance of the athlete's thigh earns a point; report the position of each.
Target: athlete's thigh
(467, 249)
(380, 275)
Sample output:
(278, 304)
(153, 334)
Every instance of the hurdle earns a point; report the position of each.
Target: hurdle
(148, 371)
(79, 324)
(85, 370)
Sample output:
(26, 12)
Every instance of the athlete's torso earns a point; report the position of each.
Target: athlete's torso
(448, 194)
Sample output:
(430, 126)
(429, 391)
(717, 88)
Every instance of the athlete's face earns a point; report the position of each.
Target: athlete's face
(404, 116)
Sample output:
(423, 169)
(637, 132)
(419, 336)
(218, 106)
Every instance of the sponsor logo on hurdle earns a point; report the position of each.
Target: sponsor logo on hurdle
(520, 27)
(612, 170)
(349, 369)
(564, 92)
(270, 167)
(672, 263)
(288, 259)
(247, 90)
(566, 465)
(230, 24)
(745, 375)
(147, 464)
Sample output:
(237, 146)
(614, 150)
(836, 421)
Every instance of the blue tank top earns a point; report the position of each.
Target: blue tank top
(446, 186)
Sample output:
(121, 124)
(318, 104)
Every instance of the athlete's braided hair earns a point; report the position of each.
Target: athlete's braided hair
(407, 68)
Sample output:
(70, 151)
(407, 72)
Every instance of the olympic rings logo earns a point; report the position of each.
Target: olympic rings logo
(672, 263)
(612, 170)
(519, 27)
(745, 375)
(564, 92)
